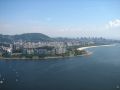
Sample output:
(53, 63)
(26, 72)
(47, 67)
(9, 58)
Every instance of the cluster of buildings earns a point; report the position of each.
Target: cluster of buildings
(57, 47)
(5, 48)
(35, 48)
(39, 48)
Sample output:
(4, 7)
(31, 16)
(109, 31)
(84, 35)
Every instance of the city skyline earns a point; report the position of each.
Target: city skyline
(73, 18)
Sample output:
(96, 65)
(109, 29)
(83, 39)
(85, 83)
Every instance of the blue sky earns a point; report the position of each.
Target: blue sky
(66, 18)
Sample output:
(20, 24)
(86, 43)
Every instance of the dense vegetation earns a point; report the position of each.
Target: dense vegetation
(33, 37)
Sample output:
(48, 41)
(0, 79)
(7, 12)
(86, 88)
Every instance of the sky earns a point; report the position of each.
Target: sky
(61, 18)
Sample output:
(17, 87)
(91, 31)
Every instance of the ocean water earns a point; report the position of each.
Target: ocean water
(99, 71)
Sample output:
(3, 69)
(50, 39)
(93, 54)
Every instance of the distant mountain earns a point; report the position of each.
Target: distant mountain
(6, 38)
(34, 37)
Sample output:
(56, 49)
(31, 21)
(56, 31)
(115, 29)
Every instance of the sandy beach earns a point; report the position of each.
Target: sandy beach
(83, 48)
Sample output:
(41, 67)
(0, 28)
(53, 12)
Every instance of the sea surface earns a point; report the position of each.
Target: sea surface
(99, 71)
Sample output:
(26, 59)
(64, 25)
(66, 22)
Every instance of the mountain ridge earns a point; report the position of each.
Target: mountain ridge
(34, 37)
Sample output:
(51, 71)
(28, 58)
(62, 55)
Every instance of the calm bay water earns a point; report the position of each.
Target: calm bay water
(99, 71)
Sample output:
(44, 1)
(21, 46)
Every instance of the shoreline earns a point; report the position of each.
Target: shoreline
(54, 57)
(83, 48)
(45, 58)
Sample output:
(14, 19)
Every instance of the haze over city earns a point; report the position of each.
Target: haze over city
(63, 18)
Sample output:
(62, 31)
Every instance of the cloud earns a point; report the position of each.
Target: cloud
(113, 24)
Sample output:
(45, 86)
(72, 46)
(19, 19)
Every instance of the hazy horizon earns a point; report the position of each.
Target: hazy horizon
(64, 18)
(65, 37)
